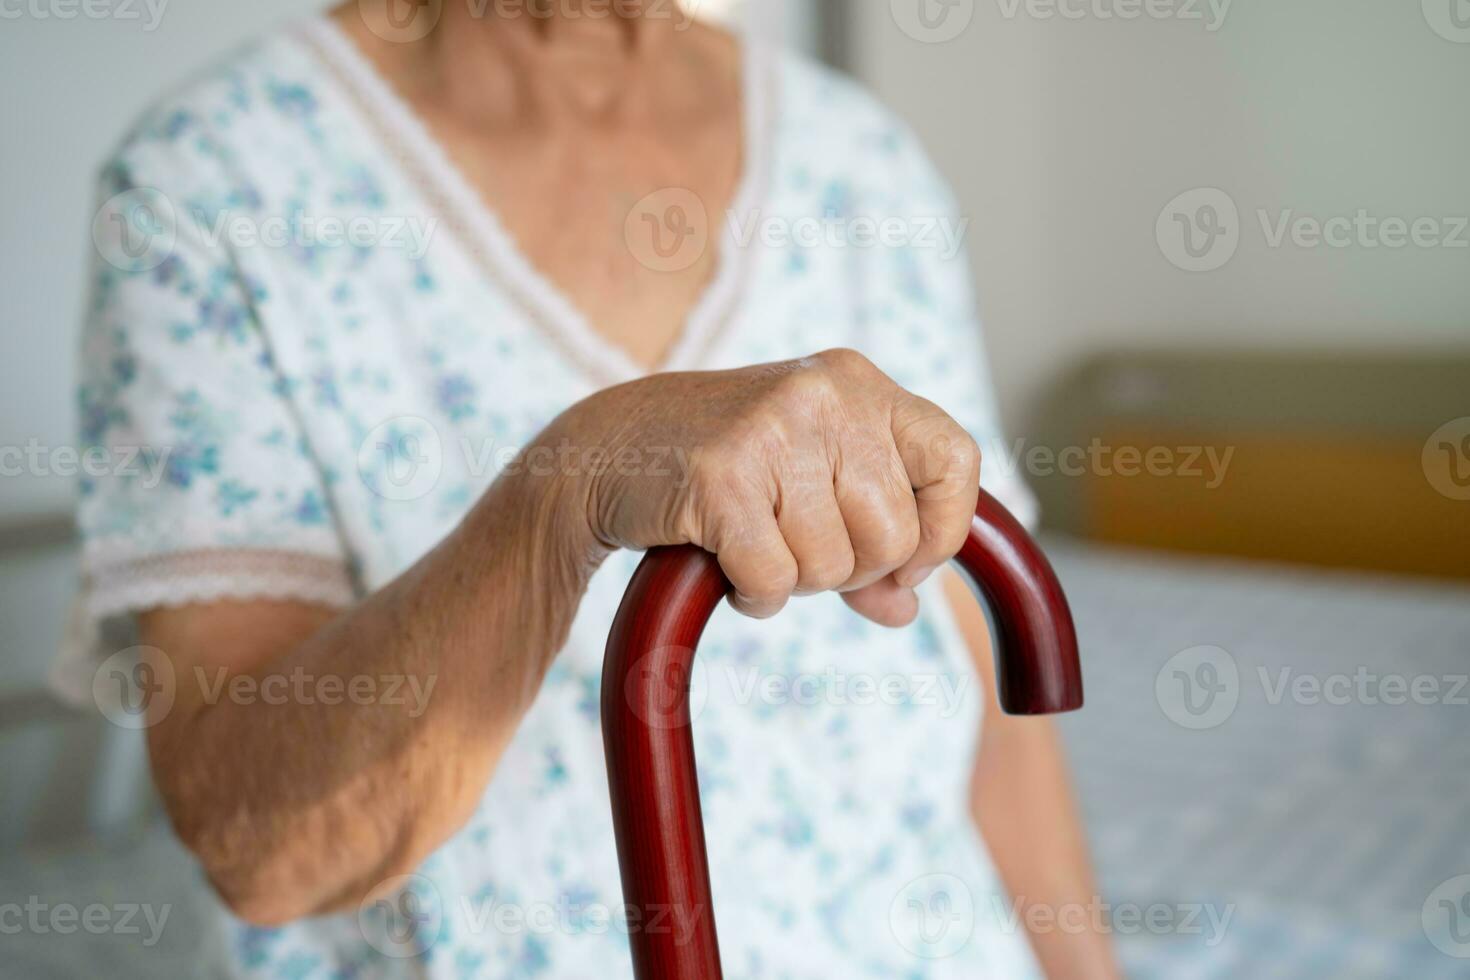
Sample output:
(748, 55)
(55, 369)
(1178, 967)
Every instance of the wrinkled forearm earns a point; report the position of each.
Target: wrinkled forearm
(300, 807)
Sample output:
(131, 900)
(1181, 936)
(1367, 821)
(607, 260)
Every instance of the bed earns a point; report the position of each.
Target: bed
(1326, 826)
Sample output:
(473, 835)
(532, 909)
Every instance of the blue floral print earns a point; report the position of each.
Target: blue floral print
(347, 402)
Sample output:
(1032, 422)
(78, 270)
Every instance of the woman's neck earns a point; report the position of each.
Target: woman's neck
(482, 59)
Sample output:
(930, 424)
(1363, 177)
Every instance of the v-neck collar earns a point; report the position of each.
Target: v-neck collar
(458, 206)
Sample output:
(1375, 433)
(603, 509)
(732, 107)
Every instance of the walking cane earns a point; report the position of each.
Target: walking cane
(650, 748)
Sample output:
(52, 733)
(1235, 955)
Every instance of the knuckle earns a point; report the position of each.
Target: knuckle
(966, 451)
(809, 380)
(762, 429)
(770, 588)
(844, 360)
(803, 474)
(828, 571)
(711, 459)
(946, 453)
(949, 535)
(895, 551)
(759, 572)
(895, 537)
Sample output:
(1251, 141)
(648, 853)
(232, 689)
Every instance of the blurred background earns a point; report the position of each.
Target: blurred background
(1222, 254)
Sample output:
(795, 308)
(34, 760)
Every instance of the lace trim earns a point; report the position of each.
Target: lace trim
(182, 578)
(104, 545)
(477, 229)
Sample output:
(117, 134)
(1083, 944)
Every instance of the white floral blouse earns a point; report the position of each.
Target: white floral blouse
(319, 346)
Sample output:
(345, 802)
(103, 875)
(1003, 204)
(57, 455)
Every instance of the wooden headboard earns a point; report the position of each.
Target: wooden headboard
(1357, 462)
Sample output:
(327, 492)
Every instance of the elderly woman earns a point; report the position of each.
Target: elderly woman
(429, 324)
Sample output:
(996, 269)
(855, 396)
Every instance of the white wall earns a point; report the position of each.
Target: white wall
(1065, 138)
(72, 88)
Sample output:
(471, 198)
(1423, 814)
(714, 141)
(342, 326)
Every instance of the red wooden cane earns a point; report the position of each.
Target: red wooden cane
(650, 749)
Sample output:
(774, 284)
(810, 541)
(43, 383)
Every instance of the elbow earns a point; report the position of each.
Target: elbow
(265, 883)
(267, 901)
(255, 882)
(271, 866)
(251, 887)
(246, 866)
(259, 907)
(269, 893)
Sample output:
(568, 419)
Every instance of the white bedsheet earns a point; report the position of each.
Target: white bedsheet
(1321, 827)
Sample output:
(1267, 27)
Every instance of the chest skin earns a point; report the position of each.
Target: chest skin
(614, 187)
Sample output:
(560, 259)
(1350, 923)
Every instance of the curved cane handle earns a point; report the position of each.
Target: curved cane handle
(650, 751)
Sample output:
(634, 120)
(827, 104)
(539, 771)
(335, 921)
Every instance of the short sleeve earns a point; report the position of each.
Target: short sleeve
(197, 482)
(923, 318)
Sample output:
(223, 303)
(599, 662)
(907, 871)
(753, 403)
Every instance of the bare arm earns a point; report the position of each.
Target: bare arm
(296, 806)
(1021, 797)
(802, 476)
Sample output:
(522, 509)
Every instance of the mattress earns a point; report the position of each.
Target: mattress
(1318, 811)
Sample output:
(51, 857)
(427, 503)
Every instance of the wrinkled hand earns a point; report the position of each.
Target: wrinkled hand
(801, 476)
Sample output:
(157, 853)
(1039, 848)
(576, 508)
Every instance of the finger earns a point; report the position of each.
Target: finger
(759, 566)
(812, 525)
(882, 519)
(885, 602)
(943, 466)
